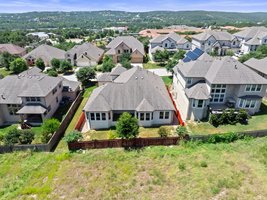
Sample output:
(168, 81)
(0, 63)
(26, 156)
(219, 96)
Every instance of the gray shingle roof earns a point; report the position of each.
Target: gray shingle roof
(134, 88)
(220, 71)
(130, 41)
(178, 39)
(198, 91)
(218, 35)
(87, 49)
(12, 49)
(258, 64)
(251, 32)
(116, 71)
(32, 109)
(28, 83)
(46, 53)
(105, 77)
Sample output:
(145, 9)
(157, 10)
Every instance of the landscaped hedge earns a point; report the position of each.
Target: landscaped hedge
(229, 117)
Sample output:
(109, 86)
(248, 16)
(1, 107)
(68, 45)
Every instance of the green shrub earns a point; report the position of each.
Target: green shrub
(16, 136)
(163, 132)
(242, 117)
(73, 136)
(127, 126)
(52, 73)
(181, 131)
(224, 138)
(214, 120)
(112, 135)
(26, 136)
(48, 128)
(224, 118)
(12, 136)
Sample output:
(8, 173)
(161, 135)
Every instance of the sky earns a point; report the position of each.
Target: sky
(14, 6)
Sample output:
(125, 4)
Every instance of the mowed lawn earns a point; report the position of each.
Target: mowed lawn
(78, 113)
(207, 171)
(151, 65)
(257, 122)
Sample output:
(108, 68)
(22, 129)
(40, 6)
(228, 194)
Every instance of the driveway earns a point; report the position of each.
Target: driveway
(161, 72)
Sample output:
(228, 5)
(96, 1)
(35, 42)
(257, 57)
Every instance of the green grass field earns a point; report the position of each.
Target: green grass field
(78, 113)
(208, 171)
(167, 80)
(257, 122)
(151, 65)
(4, 72)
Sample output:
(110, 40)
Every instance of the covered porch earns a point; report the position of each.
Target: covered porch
(32, 114)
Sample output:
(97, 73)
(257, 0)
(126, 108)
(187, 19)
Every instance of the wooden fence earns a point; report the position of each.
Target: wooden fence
(130, 143)
(53, 142)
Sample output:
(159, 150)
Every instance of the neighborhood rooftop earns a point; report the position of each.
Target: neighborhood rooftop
(133, 89)
(218, 35)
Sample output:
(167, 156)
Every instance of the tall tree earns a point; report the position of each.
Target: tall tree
(18, 65)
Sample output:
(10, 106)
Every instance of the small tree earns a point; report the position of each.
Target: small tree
(55, 63)
(12, 136)
(85, 74)
(48, 128)
(242, 116)
(26, 136)
(181, 131)
(52, 73)
(40, 64)
(163, 132)
(65, 66)
(214, 120)
(126, 64)
(6, 59)
(107, 64)
(18, 65)
(73, 136)
(127, 126)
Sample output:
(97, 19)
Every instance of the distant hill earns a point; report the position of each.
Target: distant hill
(135, 20)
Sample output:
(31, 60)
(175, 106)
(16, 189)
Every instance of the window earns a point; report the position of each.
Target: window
(28, 99)
(161, 115)
(38, 99)
(218, 93)
(103, 116)
(48, 108)
(33, 99)
(54, 90)
(234, 43)
(92, 116)
(13, 108)
(209, 43)
(189, 81)
(167, 115)
(197, 103)
(109, 116)
(119, 51)
(152, 116)
(142, 116)
(247, 103)
(166, 45)
(200, 103)
(57, 99)
(147, 116)
(253, 88)
(97, 116)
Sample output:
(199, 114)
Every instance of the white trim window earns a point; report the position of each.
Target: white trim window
(198, 103)
(218, 93)
(253, 88)
(164, 115)
(245, 103)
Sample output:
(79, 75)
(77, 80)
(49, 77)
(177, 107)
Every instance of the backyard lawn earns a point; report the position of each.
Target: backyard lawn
(208, 171)
(151, 65)
(78, 113)
(4, 72)
(257, 122)
(143, 132)
(167, 80)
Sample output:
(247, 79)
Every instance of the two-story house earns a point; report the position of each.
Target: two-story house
(171, 42)
(214, 84)
(32, 96)
(84, 55)
(136, 91)
(46, 53)
(251, 38)
(215, 41)
(126, 44)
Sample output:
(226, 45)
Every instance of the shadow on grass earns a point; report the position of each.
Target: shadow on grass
(263, 109)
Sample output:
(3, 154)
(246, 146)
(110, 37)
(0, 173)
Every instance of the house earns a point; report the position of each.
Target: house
(33, 96)
(258, 65)
(170, 42)
(137, 91)
(39, 35)
(126, 44)
(110, 76)
(214, 84)
(84, 55)
(251, 38)
(46, 53)
(12, 49)
(215, 41)
(119, 29)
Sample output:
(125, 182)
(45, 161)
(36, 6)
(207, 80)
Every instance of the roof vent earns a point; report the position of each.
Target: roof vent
(136, 77)
(142, 77)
